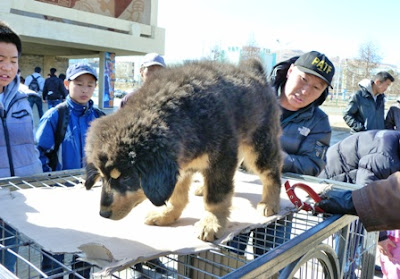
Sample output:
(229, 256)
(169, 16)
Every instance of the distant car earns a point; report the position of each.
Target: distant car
(119, 93)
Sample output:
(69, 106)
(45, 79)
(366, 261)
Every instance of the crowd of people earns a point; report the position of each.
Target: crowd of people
(370, 157)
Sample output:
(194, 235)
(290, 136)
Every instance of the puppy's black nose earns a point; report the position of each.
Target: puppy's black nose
(105, 214)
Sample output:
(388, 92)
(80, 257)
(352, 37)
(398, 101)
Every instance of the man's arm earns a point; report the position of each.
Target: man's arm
(28, 80)
(45, 90)
(350, 115)
(389, 121)
(309, 156)
(377, 204)
(45, 137)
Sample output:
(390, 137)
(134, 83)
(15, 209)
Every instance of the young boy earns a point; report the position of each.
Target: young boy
(18, 154)
(81, 81)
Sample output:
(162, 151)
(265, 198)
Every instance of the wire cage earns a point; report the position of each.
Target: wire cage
(300, 245)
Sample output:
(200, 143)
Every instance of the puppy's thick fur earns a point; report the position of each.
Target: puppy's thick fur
(202, 116)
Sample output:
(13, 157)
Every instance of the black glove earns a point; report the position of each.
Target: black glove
(337, 202)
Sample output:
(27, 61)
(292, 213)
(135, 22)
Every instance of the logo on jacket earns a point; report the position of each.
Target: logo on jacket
(304, 131)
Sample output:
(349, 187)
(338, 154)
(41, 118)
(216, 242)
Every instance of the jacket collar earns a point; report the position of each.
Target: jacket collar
(303, 113)
(79, 109)
(11, 93)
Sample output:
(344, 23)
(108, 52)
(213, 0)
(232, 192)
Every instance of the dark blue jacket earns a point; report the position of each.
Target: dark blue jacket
(363, 112)
(364, 157)
(305, 134)
(54, 89)
(71, 152)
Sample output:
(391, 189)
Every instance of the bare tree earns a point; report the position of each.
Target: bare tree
(363, 66)
(369, 58)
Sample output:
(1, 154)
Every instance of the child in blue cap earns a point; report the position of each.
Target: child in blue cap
(81, 80)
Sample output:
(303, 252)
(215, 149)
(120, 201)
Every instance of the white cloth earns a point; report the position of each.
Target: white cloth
(66, 220)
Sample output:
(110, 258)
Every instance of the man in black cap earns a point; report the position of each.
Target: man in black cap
(302, 85)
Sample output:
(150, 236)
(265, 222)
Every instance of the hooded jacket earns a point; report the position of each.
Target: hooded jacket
(71, 150)
(363, 112)
(18, 154)
(364, 157)
(306, 133)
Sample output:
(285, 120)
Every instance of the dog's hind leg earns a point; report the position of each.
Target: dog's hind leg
(175, 205)
(264, 159)
(218, 192)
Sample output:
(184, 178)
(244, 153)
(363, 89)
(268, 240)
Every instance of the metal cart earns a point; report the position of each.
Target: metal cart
(319, 246)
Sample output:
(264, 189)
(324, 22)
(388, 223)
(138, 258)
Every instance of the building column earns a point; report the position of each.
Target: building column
(106, 79)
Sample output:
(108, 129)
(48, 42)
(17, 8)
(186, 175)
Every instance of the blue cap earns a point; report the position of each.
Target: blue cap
(152, 59)
(79, 69)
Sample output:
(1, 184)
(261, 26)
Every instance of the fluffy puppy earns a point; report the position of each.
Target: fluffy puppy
(202, 116)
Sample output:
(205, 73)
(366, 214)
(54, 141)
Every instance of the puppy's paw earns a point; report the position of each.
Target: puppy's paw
(209, 228)
(266, 209)
(160, 218)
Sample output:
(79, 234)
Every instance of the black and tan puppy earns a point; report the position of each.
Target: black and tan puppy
(202, 116)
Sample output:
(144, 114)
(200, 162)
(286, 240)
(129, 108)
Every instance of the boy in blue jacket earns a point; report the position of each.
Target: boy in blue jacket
(81, 80)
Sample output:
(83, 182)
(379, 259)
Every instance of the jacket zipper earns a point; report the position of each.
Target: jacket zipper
(7, 138)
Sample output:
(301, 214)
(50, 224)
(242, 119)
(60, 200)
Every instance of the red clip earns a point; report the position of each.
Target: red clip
(297, 202)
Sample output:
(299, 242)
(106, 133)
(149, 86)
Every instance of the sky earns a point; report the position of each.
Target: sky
(333, 27)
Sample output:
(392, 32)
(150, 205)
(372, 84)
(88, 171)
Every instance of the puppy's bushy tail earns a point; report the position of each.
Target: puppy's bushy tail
(254, 66)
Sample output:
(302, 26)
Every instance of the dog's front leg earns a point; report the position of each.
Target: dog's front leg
(218, 192)
(270, 202)
(175, 205)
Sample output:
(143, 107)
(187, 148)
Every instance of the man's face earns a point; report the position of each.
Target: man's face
(145, 72)
(381, 87)
(81, 89)
(8, 64)
(301, 89)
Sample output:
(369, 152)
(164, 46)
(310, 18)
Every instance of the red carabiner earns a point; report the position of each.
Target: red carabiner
(297, 202)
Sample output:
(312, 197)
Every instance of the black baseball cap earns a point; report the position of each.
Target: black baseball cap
(317, 64)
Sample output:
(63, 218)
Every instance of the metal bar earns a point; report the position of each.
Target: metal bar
(280, 257)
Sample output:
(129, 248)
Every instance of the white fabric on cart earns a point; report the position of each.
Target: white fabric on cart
(67, 220)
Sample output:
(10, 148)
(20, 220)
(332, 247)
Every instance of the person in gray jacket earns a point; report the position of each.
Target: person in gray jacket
(18, 154)
(392, 121)
(366, 107)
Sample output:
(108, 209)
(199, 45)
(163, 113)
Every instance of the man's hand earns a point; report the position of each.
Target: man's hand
(337, 202)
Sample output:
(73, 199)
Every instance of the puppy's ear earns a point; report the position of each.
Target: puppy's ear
(92, 175)
(158, 178)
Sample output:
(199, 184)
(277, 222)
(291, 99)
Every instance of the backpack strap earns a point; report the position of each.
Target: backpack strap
(62, 124)
(59, 135)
